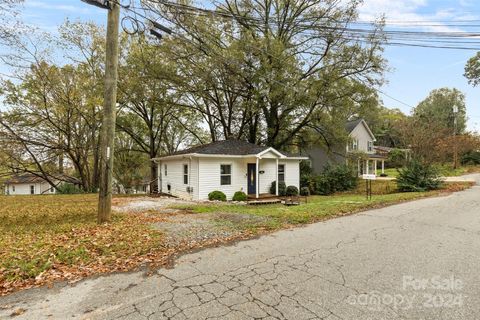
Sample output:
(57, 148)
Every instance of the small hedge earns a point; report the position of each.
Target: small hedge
(418, 177)
(217, 195)
(291, 191)
(240, 196)
(281, 188)
(333, 178)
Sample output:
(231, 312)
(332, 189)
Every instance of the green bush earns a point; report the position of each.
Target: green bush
(417, 177)
(240, 196)
(281, 188)
(304, 191)
(217, 195)
(334, 178)
(291, 191)
(68, 188)
(471, 158)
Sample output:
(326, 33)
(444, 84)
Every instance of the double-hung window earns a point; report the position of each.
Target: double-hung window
(165, 169)
(370, 146)
(185, 174)
(281, 173)
(225, 174)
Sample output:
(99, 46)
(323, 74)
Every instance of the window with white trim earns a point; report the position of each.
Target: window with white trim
(165, 169)
(32, 189)
(185, 174)
(281, 173)
(225, 174)
(13, 188)
(370, 146)
(353, 146)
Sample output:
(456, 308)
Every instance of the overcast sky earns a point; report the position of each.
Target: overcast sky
(414, 71)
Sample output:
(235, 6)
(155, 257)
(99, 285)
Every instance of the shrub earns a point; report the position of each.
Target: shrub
(322, 185)
(417, 176)
(304, 191)
(291, 191)
(281, 188)
(68, 188)
(240, 196)
(471, 158)
(334, 178)
(217, 195)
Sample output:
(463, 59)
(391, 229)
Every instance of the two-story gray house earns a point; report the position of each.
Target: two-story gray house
(360, 148)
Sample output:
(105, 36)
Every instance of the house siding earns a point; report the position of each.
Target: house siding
(174, 177)
(209, 176)
(363, 136)
(24, 188)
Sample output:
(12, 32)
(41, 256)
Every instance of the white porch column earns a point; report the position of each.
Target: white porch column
(257, 184)
(358, 167)
(159, 181)
(367, 168)
(276, 180)
(383, 166)
(375, 163)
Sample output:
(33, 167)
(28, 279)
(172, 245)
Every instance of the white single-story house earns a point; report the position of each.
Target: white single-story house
(27, 183)
(228, 166)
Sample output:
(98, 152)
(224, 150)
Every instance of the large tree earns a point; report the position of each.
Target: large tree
(267, 70)
(438, 108)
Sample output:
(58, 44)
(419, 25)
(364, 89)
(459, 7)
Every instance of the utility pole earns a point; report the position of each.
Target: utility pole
(107, 134)
(455, 147)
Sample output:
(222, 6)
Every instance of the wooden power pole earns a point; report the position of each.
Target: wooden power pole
(107, 134)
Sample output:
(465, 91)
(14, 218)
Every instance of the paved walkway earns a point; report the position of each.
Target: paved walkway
(417, 260)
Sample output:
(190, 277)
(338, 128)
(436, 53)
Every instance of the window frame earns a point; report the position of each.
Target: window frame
(13, 188)
(226, 174)
(165, 169)
(185, 174)
(370, 146)
(281, 173)
(32, 189)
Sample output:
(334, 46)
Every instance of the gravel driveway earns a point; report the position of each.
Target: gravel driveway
(416, 260)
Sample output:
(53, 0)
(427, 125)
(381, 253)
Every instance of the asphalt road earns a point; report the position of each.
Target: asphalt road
(417, 260)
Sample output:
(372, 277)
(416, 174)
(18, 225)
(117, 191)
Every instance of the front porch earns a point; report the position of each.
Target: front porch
(370, 165)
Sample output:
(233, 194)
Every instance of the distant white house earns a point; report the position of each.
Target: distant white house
(228, 166)
(27, 183)
(361, 140)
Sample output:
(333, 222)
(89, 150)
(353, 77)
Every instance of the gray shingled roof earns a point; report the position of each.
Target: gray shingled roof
(230, 147)
(350, 125)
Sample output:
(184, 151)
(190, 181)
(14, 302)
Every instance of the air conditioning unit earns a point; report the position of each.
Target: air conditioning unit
(190, 189)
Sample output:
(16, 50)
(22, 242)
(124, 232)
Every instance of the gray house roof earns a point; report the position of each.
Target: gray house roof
(350, 125)
(230, 147)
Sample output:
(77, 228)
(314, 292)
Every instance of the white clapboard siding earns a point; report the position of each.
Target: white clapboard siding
(174, 177)
(209, 176)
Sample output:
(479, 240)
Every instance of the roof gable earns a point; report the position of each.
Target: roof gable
(350, 126)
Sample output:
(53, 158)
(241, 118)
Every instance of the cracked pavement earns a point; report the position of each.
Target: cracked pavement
(416, 260)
